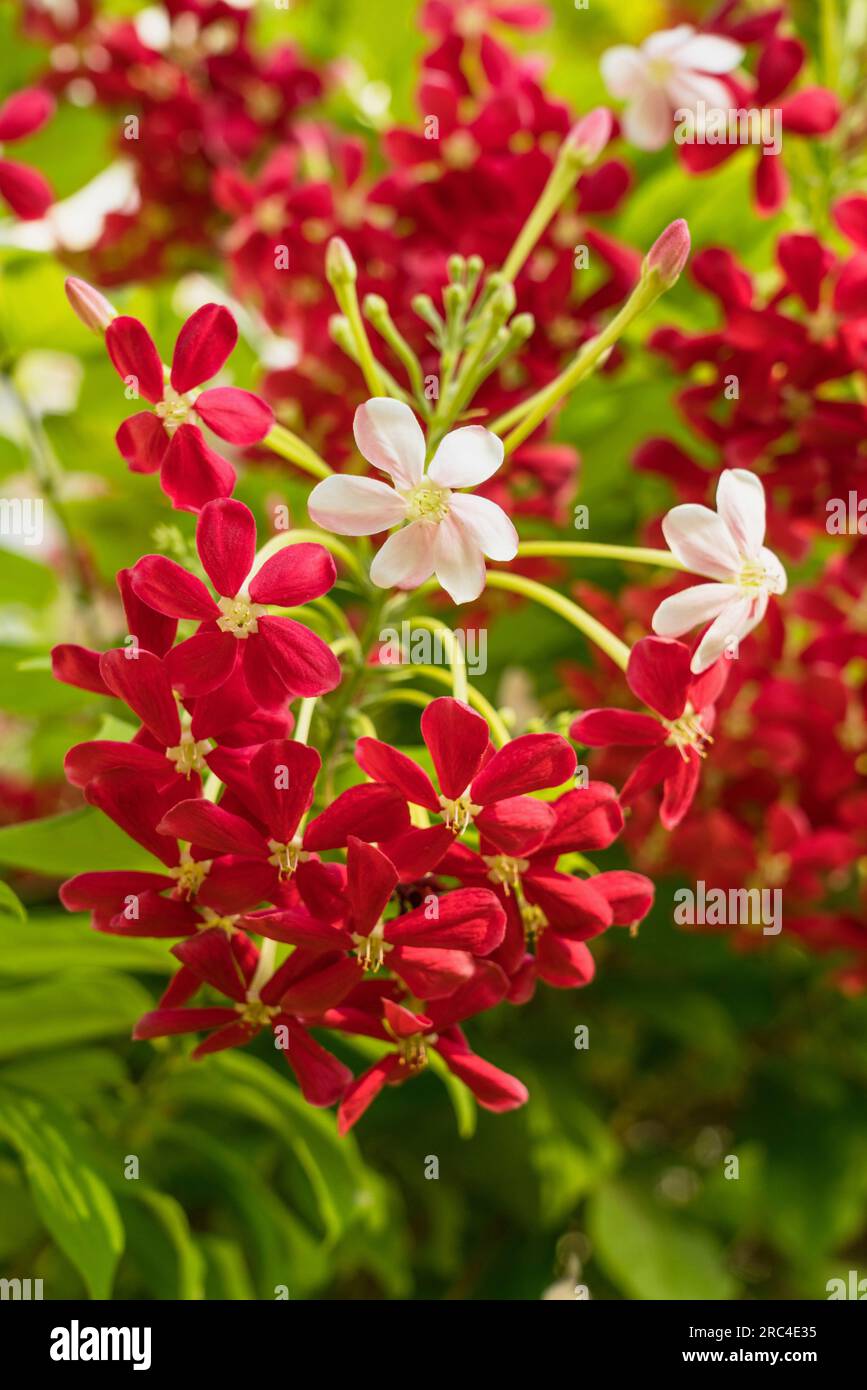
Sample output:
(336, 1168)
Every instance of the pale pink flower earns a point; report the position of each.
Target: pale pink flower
(726, 545)
(447, 532)
(671, 71)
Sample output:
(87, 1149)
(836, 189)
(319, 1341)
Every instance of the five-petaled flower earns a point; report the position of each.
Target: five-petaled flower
(659, 674)
(448, 532)
(165, 439)
(726, 545)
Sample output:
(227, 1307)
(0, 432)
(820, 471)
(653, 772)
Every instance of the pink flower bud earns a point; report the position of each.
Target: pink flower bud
(89, 305)
(589, 136)
(669, 253)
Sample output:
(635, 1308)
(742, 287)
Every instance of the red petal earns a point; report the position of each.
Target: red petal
(170, 589)
(598, 728)
(296, 927)
(629, 895)
(235, 1034)
(371, 879)
(210, 955)
(812, 111)
(226, 542)
(84, 761)
(587, 818)
(24, 112)
(133, 354)
(680, 788)
(305, 664)
(322, 1078)
(494, 1089)
(152, 630)
(850, 214)
(109, 889)
(364, 1090)
(525, 765)
(402, 1021)
(77, 666)
(653, 768)
(431, 973)
(202, 664)
(284, 774)
(418, 851)
(163, 1023)
(488, 987)
(571, 905)
(294, 575)
(386, 764)
(658, 673)
(203, 344)
(193, 474)
(457, 739)
(468, 919)
(318, 990)
(210, 827)
(28, 194)
(563, 963)
(371, 810)
(236, 416)
(136, 805)
(142, 442)
(139, 679)
(517, 825)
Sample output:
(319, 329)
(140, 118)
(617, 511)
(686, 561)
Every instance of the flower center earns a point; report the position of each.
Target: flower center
(210, 918)
(458, 813)
(756, 579)
(255, 1014)
(240, 616)
(412, 1052)
(173, 409)
(505, 870)
(371, 949)
(687, 732)
(460, 150)
(659, 70)
(428, 502)
(188, 756)
(534, 921)
(190, 875)
(286, 858)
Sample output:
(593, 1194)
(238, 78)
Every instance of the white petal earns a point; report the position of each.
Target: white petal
(701, 541)
(740, 501)
(459, 563)
(688, 609)
(390, 437)
(621, 67)
(709, 53)
(466, 457)
(687, 89)
(407, 558)
(777, 578)
(488, 525)
(732, 624)
(647, 120)
(355, 506)
(668, 42)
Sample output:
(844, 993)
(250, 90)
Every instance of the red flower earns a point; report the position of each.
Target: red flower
(278, 656)
(28, 194)
(380, 1015)
(658, 673)
(191, 473)
(429, 948)
(282, 1002)
(478, 786)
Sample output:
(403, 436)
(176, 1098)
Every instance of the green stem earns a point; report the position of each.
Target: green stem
(591, 628)
(561, 181)
(301, 732)
(460, 685)
(640, 555)
(347, 300)
(499, 732)
(288, 445)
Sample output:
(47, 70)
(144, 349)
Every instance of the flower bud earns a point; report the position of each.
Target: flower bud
(589, 136)
(669, 253)
(340, 268)
(88, 305)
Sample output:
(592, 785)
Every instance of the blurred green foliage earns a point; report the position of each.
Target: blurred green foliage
(614, 1174)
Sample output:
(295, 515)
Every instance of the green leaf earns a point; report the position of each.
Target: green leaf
(650, 1254)
(51, 944)
(462, 1099)
(10, 904)
(71, 1198)
(23, 580)
(56, 1012)
(73, 843)
(72, 1075)
(159, 1239)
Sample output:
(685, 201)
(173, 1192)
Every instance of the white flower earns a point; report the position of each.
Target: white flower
(448, 533)
(668, 73)
(726, 545)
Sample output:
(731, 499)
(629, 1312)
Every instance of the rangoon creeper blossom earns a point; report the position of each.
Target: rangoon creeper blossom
(447, 532)
(671, 70)
(725, 545)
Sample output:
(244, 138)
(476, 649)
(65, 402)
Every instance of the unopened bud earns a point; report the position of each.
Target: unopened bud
(669, 253)
(340, 268)
(375, 308)
(456, 267)
(589, 136)
(88, 305)
(521, 328)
